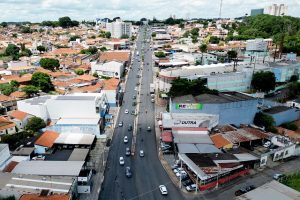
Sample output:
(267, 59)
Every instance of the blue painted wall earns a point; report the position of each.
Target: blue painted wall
(285, 116)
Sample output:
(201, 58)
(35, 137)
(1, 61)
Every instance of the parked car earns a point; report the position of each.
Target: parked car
(142, 153)
(277, 176)
(125, 139)
(148, 128)
(122, 161)
(127, 153)
(187, 182)
(267, 144)
(126, 111)
(134, 97)
(190, 188)
(244, 190)
(128, 172)
(163, 190)
(120, 123)
(152, 100)
(39, 157)
(133, 112)
(129, 127)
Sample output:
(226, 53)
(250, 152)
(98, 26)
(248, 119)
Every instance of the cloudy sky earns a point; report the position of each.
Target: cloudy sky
(40, 10)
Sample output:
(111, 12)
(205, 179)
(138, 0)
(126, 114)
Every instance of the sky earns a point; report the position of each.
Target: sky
(40, 10)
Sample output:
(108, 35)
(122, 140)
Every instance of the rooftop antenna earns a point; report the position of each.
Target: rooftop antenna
(220, 12)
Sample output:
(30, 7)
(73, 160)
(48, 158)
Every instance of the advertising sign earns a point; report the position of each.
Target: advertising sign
(189, 106)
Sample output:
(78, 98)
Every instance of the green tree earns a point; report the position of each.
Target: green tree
(79, 71)
(214, 40)
(74, 38)
(7, 89)
(181, 25)
(294, 78)
(232, 55)
(26, 52)
(153, 34)
(195, 32)
(34, 124)
(103, 49)
(95, 74)
(293, 89)
(4, 24)
(42, 81)
(203, 49)
(49, 63)
(12, 50)
(289, 126)
(30, 90)
(124, 36)
(264, 120)
(263, 81)
(26, 29)
(108, 35)
(41, 48)
(65, 22)
(14, 83)
(160, 54)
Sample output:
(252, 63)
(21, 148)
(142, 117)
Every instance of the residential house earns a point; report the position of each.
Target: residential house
(7, 127)
(45, 142)
(111, 88)
(112, 69)
(20, 118)
(7, 104)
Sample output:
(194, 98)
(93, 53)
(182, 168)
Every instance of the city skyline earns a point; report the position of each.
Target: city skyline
(17, 10)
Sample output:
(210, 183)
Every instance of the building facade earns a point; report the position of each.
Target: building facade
(119, 28)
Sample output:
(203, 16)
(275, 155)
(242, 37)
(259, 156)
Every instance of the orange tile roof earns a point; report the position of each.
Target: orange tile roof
(18, 114)
(219, 140)
(114, 56)
(5, 123)
(4, 98)
(86, 77)
(110, 84)
(47, 139)
(59, 73)
(18, 94)
(40, 69)
(10, 166)
(91, 88)
(293, 135)
(64, 51)
(50, 197)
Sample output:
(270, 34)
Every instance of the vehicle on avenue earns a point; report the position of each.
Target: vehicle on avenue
(163, 190)
(142, 153)
(277, 176)
(127, 152)
(125, 139)
(191, 188)
(133, 112)
(126, 111)
(152, 100)
(128, 172)
(148, 128)
(244, 190)
(134, 97)
(122, 161)
(129, 127)
(120, 123)
(187, 182)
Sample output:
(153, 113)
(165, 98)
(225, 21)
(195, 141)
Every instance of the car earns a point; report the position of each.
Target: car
(129, 127)
(163, 190)
(277, 176)
(120, 123)
(126, 111)
(181, 174)
(133, 103)
(142, 154)
(122, 161)
(152, 100)
(244, 190)
(128, 172)
(267, 144)
(134, 97)
(39, 157)
(133, 112)
(127, 152)
(125, 139)
(187, 182)
(174, 166)
(190, 188)
(148, 128)
(164, 145)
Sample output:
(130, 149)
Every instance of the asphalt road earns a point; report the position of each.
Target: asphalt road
(148, 172)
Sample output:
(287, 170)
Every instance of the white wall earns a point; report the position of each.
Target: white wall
(111, 96)
(36, 110)
(4, 156)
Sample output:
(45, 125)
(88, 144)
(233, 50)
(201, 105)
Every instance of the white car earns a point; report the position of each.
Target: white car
(267, 144)
(142, 153)
(163, 190)
(191, 187)
(125, 139)
(120, 124)
(181, 174)
(126, 111)
(152, 100)
(277, 176)
(122, 161)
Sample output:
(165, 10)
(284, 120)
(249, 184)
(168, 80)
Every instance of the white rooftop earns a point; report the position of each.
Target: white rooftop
(81, 121)
(75, 138)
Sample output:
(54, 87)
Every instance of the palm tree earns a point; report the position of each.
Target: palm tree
(232, 55)
(203, 49)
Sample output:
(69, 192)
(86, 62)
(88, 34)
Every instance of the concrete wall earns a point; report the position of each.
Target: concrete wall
(76, 128)
(36, 110)
(4, 156)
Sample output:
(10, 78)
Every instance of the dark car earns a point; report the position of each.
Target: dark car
(127, 153)
(187, 182)
(128, 172)
(244, 190)
(129, 128)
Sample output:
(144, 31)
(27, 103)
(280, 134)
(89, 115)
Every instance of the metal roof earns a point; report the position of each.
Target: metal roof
(74, 138)
(197, 148)
(73, 97)
(79, 154)
(49, 168)
(191, 138)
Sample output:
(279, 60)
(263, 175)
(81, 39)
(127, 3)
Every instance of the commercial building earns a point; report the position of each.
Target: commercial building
(278, 9)
(282, 114)
(284, 70)
(255, 12)
(119, 28)
(4, 155)
(230, 107)
(111, 69)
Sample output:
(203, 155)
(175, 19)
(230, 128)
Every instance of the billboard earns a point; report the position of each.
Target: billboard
(189, 106)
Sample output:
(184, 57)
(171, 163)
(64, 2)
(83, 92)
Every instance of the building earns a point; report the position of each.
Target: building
(255, 12)
(7, 104)
(272, 190)
(231, 107)
(112, 69)
(119, 28)
(74, 140)
(7, 127)
(257, 45)
(20, 118)
(278, 9)
(282, 114)
(284, 70)
(4, 155)
(45, 142)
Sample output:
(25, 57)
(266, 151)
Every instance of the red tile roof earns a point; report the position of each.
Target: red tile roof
(10, 166)
(219, 140)
(18, 94)
(110, 84)
(47, 139)
(4, 98)
(86, 77)
(18, 114)
(50, 197)
(5, 123)
(122, 56)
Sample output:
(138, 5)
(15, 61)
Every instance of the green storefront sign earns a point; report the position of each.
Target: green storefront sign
(189, 106)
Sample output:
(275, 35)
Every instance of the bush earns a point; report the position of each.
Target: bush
(34, 124)
(289, 126)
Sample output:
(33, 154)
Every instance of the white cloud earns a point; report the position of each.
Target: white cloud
(39, 10)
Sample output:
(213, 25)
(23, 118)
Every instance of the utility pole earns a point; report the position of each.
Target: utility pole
(220, 11)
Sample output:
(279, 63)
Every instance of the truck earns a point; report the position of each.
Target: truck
(152, 88)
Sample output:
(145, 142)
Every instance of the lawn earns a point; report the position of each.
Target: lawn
(292, 181)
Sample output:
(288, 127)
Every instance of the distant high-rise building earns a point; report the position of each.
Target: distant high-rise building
(255, 12)
(277, 9)
(119, 28)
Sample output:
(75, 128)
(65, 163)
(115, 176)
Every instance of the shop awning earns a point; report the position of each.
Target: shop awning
(166, 136)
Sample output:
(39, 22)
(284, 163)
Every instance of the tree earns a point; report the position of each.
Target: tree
(30, 90)
(289, 126)
(124, 36)
(103, 49)
(74, 38)
(90, 50)
(160, 54)
(7, 89)
(4, 24)
(95, 74)
(26, 52)
(14, 83)
(264, 120)
(65, 22)
(181, 25)
(153, 34)
(12, 50)
(34, 124)
(263, 81)
(79, 71)
(294, 78)
(108, 35)
(49, 63)
(214, 40)
(26, 29)
(115, 19)
(42, 81)
(195, 32)
(232, 55)
(203, 49)
(41, 48)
